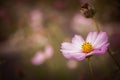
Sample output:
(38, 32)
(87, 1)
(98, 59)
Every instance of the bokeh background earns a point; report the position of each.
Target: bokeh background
(31, 33)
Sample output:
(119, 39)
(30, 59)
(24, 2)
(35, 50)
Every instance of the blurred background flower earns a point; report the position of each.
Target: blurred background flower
(72, 64)
(81, 24)
(39, 58)
(36, 19)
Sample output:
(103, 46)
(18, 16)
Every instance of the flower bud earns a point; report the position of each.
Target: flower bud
(87, 10)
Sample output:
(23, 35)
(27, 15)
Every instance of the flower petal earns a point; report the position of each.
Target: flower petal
(102, 50)
(78, 41)
(100, 45)
(79, 56)
(67, 55)
(68, 49)
(89, 54)
(101, 39)
(91, 37)
(66, 46)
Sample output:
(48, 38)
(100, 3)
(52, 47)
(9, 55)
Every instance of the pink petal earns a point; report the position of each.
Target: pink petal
(69, 51)
(100, 45)
(102, 50)
(67, 55)
(77, 40)
(101, 39)
(91, 37)
(89, 54)
(79, 56)
(69, 47)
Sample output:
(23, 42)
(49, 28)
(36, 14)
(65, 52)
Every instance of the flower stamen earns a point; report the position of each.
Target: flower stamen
(87, 47)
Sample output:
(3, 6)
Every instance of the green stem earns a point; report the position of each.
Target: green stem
(96, 25)
(109, 52)
(90, 67)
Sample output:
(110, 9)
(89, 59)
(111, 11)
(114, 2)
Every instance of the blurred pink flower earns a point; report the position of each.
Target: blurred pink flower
(81, 24)
(95, 43)
(41, 56)
(79, 19)
(36, 19)
(72, 64)
(48, 51)
(38, 59)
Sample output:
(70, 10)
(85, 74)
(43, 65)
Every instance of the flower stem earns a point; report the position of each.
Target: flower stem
(90, 67)
(96, 25)
(109, 52)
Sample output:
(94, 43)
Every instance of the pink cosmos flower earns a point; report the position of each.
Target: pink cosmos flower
(95, 43)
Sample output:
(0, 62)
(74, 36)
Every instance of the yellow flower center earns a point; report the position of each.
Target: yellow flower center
(87, 47)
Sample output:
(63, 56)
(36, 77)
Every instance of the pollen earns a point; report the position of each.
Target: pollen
(87, 47)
